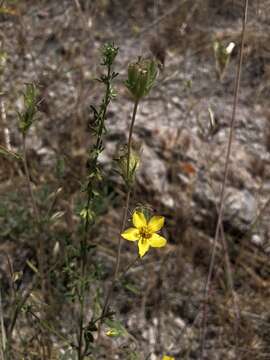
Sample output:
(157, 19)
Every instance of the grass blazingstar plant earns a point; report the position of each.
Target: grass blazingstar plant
(141, 78)
(145, 232)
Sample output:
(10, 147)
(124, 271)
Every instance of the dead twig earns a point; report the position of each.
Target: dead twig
(222, 194)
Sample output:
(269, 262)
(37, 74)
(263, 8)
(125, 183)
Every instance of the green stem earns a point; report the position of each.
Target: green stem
(46, 326)
(41, 252)
(98, 145)
(124, 220)
(41, 255)
(130, 136)
(106, 103)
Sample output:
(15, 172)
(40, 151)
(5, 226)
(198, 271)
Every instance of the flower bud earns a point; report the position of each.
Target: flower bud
(141, 77)
(128, 174)
(87, 215)
(27, 117)
(222, 56)
(109, 53)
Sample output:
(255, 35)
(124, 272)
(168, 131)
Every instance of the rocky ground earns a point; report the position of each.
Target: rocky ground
(56, 44)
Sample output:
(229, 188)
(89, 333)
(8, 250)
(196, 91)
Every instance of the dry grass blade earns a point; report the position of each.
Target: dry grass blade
(3, 332)
(222, 195)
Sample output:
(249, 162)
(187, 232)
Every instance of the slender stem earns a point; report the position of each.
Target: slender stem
(225, 177)
(230, 281)
(80, 341)
(41, 251)
(124, 219)
(119, 247)
(82, 286)
(3, 341)
(98, 145)
(130, 136)
(27, 174)
(45, 325)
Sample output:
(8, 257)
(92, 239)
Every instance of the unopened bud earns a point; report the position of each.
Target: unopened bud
(27, 117)
(128, 174)
(222, 56)
(141, 77)
(109, 53)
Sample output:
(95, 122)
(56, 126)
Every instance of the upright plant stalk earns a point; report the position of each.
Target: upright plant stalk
(222, 194)
(26, 120)
(37, 216)
(3, 340)
(27, 175)
(109, 53)
(124, 217)
(141, 77)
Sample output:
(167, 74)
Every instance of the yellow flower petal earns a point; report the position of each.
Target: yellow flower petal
(138, 219)
(165, 357)
(131, 234)
(112, 332)
(157, 241)
(143, 247)
(156, 223)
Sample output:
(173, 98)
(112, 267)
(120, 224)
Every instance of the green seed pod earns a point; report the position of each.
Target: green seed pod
(128, 174)
(27, 117)
(141, 77)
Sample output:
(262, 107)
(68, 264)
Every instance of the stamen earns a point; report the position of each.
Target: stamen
(144, 233)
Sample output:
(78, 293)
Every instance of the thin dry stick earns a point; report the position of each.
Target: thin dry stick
(20, 302)
(27, 174)
(222, 195)
(82, 16)
(45, 325)
(230, 281)
(41, 251)
(41, 248)
(4, 134)
(161, 18)
(229, 274)
(3, 331)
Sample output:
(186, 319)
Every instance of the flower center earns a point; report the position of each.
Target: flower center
(144, 233)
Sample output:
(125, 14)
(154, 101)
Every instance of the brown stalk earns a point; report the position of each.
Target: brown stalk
(36, 214)
(225, 178)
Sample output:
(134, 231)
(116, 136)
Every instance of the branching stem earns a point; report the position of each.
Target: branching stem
(98, 146)
(124, 219)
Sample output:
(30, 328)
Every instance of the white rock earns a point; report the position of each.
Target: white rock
(180, 322)
(257, 240)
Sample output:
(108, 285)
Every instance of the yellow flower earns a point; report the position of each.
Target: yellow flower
(165, 357)
(112, 332)
(145, 232)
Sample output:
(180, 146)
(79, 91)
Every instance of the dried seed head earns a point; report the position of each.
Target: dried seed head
(141, 77)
